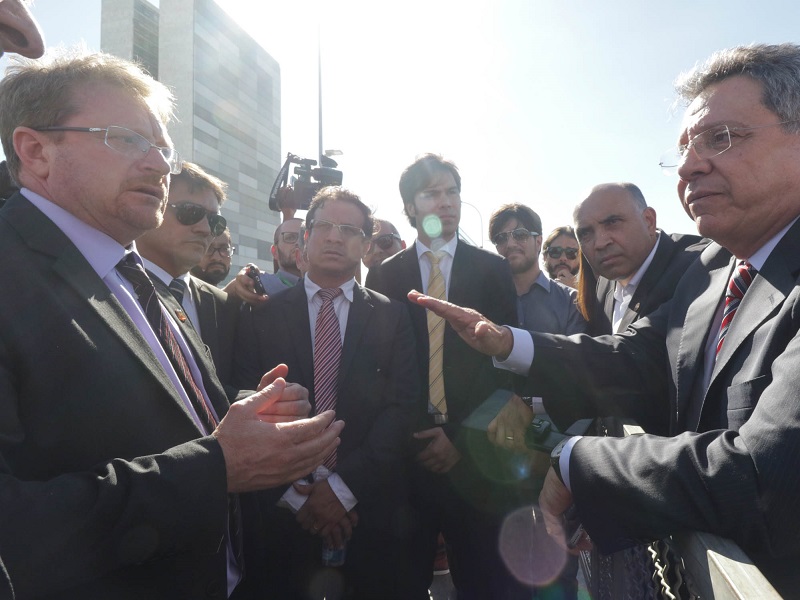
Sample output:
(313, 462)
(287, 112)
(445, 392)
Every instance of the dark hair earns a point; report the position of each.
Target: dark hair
(525, 215)
(197, 179)
(420, 173)
(337, 193)
(556, 233)
(587, 286)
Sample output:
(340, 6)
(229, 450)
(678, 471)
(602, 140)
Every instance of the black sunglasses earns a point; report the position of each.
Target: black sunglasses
(385, 241)
(555, 252)
(189, 213)
(520, 234)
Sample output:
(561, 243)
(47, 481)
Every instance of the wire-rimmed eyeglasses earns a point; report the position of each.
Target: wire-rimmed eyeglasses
(706, 144)
(126, 142)
(347, 231)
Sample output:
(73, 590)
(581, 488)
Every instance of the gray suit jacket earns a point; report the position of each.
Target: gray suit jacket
(730, 465)
(107, 487)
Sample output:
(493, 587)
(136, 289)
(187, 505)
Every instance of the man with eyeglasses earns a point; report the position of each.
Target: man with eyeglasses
(560, 254)
(283, 249)
(385, 243)
(636, 266)
(714, 369)
(123, 465)
(216, 262)
(449, 489)
(353, 349)
(190, 224)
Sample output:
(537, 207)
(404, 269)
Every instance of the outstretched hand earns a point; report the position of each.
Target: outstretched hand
(476, 330)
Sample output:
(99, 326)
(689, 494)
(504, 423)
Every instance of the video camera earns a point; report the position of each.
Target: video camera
(306, 181)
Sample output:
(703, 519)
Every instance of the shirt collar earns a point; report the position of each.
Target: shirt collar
(100, 250)
(312, 288)
(637, 278)
(448, 248)
(162, 274)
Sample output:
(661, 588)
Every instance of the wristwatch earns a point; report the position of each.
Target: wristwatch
(555, 457)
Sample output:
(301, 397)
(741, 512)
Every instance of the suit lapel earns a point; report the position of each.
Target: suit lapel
(206, 306)
(649, 280)
(357, 320)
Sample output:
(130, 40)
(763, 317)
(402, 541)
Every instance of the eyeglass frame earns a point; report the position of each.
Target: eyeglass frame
(514, 233)
(681, 151)
(283, 235)
(390, 236)
(565, 250)
(230, 249)
(173, 160)
(216, 222)
(340, 227)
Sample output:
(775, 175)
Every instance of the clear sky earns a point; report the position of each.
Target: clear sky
(535, 100)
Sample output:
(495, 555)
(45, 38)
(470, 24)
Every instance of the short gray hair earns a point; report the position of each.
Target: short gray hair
(776, 67)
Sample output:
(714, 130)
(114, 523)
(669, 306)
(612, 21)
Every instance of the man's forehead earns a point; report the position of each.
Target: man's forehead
(290, 226)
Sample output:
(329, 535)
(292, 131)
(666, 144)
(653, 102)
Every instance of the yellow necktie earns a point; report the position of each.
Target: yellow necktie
(436, 337)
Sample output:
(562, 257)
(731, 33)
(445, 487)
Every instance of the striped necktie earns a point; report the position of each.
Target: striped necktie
(436, 289)
(327, 358)
(177, 288)
(740, 280)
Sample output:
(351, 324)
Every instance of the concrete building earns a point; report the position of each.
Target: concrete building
(228, 103)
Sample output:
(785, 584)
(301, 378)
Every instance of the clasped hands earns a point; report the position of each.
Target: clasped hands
(324, 515)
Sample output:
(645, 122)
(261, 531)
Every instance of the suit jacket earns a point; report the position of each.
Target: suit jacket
(107, 487)
(674, 254)
(219, 315)
(479, 280)
(738, 476)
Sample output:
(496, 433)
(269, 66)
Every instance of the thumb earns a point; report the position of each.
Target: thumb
(263, 399)
(273, 374)
(425, 434)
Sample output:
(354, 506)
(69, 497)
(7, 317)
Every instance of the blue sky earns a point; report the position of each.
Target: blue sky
(536, 101)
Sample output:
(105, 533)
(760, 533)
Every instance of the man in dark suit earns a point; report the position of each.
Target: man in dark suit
(191, 222)
(447, 488)
(377, 390)
(636, 265)
(115, 481)
(716, 366)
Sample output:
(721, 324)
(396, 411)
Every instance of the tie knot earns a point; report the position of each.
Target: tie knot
(132, 270)
(434, 257)
(178, 288)
(741, 279)
(329, 293)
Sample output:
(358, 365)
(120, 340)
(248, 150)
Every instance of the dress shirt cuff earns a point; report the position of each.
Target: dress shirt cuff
(294, 500)
(563, 460)
(342, 492)
(521, 357)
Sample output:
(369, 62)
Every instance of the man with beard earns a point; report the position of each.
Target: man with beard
(216, 262)
(284, 245)
(560, 251)
(543, 304)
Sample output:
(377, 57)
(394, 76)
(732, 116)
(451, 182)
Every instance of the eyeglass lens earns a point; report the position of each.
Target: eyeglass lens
(347, 231)
(520, 235)
(556, 251)
(190, 214)
(385, 242)
(290, 237)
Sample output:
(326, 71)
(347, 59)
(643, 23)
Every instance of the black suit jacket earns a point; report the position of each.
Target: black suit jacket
(107, 487)
(738, 476)
(479, 280)
(219, 316)
(378, 388)
(673, 256)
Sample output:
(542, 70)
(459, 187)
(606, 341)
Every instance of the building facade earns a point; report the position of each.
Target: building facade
(228, 103)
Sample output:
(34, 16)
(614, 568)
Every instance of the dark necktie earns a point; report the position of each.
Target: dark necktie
(177, 288)
(737, 286)
(130, 268)
(327, 358)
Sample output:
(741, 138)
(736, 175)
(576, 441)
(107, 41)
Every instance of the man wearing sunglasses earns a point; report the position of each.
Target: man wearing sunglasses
(385, 243)
(560, 254)
(216, 262)
(123, 464)
(635, 264)
(191, 223)
(284, 245)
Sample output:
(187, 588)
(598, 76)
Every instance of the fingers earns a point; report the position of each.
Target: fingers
(261, 401)
(271, 375)
(428, 433)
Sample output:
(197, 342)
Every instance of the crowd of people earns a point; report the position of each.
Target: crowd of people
(311, 433)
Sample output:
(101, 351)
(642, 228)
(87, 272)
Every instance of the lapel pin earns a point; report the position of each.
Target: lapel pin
(180, 314)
